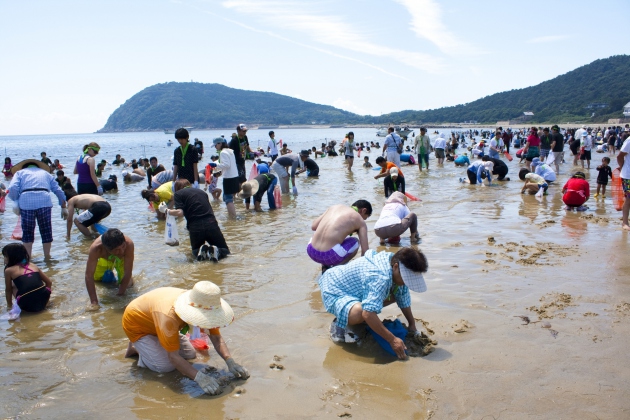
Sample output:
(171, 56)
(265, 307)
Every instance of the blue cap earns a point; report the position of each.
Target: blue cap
(263, 168)
(218, 140)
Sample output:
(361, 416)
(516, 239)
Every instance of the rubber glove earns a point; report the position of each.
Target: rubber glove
(16, 210)
(163, 207)
(207, 383)
(295, 192)
(100, 190)
(236, 369)
(64, 214)
(196, 184)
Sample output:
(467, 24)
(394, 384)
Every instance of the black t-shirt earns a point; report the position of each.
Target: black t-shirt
(545, 142)
(310, 164)
(499, 166)
(240, 148)
(264, 180)
(196, 206)
(186, 171)
(559, 146)
(108, 184)
(575, 146)
(604, 173)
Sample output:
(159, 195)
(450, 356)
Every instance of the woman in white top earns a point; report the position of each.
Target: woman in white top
(227, 165)
(395, 219)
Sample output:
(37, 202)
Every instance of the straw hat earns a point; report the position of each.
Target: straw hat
(21, 165)
(203, 307)
(248, 189)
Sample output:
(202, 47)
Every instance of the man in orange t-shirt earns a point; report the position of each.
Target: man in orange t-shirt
(385, 167)
(154, 321)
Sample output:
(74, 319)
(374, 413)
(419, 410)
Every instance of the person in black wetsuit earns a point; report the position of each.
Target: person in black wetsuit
(24, 280)
(310, 167)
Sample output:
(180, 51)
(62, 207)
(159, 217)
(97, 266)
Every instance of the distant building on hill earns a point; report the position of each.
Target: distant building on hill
(527, 115)
(626, 110)
(596, 105)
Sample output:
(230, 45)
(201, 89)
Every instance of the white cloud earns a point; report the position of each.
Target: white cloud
(547, 38)
(327, 29)
(426, 22)
(348, 105)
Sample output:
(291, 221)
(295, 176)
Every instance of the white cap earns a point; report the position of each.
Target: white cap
(413, 280)
(125, 173)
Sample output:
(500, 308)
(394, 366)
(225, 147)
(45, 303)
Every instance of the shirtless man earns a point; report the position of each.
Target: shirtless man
(111, 251)
(96, 209)
(331, 244)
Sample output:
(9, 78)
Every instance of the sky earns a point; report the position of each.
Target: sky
(68, 64)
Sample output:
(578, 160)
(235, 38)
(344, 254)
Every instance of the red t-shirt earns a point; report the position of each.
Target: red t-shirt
(533, 140)
(578, 192)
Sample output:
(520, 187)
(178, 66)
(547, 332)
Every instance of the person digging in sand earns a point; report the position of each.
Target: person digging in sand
(357, 292)
(395, 219)
(156, 322)
(331, 244)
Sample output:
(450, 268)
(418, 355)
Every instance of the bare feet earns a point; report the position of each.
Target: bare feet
(625, 227)
(382, 242)
(415, 238)
(131, 350)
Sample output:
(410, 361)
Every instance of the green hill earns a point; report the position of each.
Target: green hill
(601, 87)
(172, 105)
(564, 98)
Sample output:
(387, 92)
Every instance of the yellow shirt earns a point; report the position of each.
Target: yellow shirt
(165, 193)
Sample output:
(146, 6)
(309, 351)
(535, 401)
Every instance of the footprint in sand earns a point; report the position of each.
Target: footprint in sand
(462, 326)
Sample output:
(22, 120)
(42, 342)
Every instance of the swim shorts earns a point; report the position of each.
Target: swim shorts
(336, 255)
(625, 183)
(439, 153)
(97, 212)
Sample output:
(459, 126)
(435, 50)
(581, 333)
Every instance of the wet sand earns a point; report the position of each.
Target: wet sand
(494, 256)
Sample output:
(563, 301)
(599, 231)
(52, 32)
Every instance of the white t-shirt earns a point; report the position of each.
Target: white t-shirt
(587, 142)
(625, 169)
(493, 143)
(273, 147)
(392, 214)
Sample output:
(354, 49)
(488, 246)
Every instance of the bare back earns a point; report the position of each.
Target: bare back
(84, 201)
(332, 227)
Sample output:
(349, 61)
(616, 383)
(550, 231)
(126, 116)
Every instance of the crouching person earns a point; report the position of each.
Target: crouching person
(155, 324)
(357, 292)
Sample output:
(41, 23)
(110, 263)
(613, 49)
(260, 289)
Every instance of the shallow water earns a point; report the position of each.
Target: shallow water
(67, 362)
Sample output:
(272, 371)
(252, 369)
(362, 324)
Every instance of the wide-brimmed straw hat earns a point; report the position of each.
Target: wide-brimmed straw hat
(248, 189)
(24, 163)
(203, 307)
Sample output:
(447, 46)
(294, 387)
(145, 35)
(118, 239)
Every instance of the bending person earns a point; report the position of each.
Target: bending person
(206, 239)
(95, 208)
(265, 182)
(280, 167)
(331, 244)
(395, 219)
(357, 292)
(111, 251)
(154, 321)
(393, 182)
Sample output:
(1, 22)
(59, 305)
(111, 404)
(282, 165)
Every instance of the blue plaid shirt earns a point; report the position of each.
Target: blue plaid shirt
(367, 280)
(33, 177)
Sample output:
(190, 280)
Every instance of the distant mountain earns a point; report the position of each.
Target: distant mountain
(172, 105)
(602, 87)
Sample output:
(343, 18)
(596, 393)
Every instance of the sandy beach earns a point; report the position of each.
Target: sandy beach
(529, 305)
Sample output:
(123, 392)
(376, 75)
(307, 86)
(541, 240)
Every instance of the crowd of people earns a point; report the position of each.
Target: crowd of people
(354, 290)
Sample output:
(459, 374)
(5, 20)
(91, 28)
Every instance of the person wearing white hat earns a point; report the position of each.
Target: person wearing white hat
(357, 292)
(156, 322)
(393, 182)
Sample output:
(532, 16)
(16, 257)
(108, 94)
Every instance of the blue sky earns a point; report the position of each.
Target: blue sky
(67, 65)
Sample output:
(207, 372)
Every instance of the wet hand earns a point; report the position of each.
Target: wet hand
(207, 383)
(236, 369)
(64, 214)
(399, 348)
